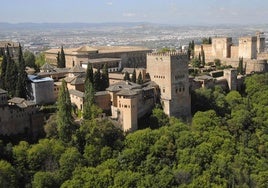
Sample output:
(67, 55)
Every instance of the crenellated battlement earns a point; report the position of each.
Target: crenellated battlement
(171, 54)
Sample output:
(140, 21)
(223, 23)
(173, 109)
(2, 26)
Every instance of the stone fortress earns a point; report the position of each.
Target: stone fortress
(165, 77)
(250, 48)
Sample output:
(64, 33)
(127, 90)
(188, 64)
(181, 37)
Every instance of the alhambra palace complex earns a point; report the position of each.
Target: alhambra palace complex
(250, 48)
(165, 77)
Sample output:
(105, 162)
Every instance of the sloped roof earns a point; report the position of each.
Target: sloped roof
(150, 84)
(100, 93)
(69, 79)
(123, 85)
(78, 80)
(127, 92)
(20, 102)
(48, 67)
(77, 69)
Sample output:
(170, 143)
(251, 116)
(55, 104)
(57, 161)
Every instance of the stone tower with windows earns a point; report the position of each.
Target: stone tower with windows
(260, 42)
(170, 72)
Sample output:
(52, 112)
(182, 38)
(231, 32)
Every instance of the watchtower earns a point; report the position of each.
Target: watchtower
(221, 47)
(248, 47)
(170, 72)
(260, 42)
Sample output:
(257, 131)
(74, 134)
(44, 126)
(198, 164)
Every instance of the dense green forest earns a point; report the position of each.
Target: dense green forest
(226, 145)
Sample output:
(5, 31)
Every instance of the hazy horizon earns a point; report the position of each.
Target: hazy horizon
(171, 12)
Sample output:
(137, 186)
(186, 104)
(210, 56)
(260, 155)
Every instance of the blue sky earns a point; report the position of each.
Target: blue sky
(155, 11)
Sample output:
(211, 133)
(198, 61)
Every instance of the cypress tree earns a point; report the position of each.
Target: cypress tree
(126, 77)
(199, 57)
(65, 125)
(1, 52)
(21, 86)
(133, 78)
(192, 48)
(104, 77)
(11, 75)
(58, 60)
(97, 80)
(209, 40)
(3, 72)
(88, 100)
(202, 56)
(189, 53)
(240, 69)
(62, 58)
(89, 74)
(140, 81)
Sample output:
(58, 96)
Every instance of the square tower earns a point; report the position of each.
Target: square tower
(170, 72)
(260, 42)
(248, 47)
(221, 47)
(128, 108)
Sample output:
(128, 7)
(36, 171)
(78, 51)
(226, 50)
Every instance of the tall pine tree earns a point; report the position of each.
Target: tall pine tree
(133, 78)
(105, 77)
(209, 40)
(21, 86)
(140, 81)
(88, 100)
(58, 60)
(3, 72)
(11, 75)
(240, 68)
(65, 125)
(89, 74)
(62, 58)
(61, 61)
(97, 80)
(126, 77)
(202, 57)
